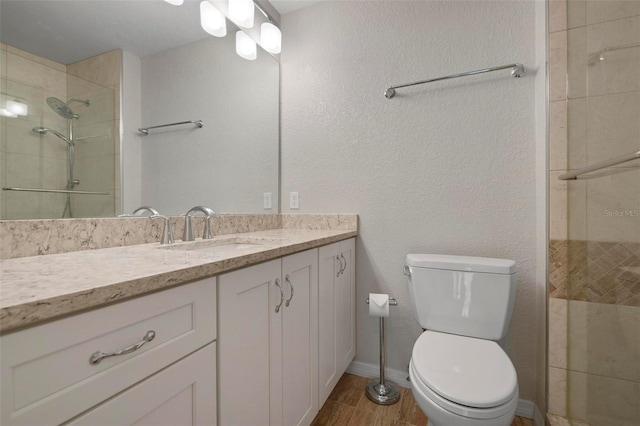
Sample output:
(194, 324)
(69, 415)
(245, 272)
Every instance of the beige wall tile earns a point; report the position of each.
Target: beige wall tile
(577, 133)
(604, 339)
(576, 13)
(620, 70)
(577, 210)
(558, 333)
(613, 126)
(557, 394)
(96, 173)
(23, 170)
(610, 196)
(94, 140)
(22, 205)
(3, 62)
(24, 70)
(557, 207)
(21, 139)
(567, 208)
(558, 66)
(602, 11)
(602, 401)
(103, 69)
(558, 135)
(577, 63)
(557, 15)
(100, 110)
(35, 58)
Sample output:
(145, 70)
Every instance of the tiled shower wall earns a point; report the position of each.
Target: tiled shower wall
(594, 264)
(39, 161)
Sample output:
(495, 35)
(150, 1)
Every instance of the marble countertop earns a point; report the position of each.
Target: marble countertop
(39, 288)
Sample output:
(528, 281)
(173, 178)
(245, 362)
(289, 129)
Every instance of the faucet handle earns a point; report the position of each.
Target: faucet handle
(167, 233)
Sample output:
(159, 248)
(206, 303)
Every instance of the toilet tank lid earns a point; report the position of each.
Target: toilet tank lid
(462, 263)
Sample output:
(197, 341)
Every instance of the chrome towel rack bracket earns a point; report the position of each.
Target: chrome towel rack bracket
(145, 130)
(517, 71)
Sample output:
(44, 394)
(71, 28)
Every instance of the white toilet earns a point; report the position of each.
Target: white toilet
(460, 376)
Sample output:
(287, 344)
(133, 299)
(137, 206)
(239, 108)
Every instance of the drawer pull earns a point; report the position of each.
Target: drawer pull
(290, 285)
(279, 305)
(96, 357)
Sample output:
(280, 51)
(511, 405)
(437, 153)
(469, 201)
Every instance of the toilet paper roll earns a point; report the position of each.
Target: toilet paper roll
(378, 305)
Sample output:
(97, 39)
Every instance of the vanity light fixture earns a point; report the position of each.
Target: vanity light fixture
(212, 20)
(245, 46)
(270, 38)
(270, 35)
(175, 2)
(17, 108)
(242, 12)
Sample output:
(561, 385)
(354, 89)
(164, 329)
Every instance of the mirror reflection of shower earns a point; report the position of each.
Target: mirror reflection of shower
(63, 110)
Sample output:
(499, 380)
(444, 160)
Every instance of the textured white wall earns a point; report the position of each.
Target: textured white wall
(230, 162)
(443, 168)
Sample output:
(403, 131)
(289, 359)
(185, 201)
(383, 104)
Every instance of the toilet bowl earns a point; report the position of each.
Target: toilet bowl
(460, 376)
(463, 381)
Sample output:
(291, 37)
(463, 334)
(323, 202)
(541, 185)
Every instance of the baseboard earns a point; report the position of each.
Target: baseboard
(372, 371)
(526, 408)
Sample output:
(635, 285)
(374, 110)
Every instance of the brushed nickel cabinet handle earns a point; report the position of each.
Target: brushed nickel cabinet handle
(339, 270)
(279, 305)
(345, 264)
(98, 356)
(291, 286)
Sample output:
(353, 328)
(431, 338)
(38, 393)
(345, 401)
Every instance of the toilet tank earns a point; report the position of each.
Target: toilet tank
(467, 296)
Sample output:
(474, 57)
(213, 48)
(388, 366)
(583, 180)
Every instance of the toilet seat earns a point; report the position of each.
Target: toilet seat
(468, 376)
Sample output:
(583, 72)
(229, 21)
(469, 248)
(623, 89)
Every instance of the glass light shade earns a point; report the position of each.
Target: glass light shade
(242, 12)
(270, 37)
(212, 20)
(17, 108)
(245, 46)
(7, 113)
(175, 2)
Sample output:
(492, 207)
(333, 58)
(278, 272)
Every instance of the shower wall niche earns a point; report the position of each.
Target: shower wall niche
(41, 161)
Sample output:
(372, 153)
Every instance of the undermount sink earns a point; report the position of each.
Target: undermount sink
(221, 245)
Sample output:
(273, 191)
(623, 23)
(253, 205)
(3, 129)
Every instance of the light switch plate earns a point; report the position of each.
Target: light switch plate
(267, 200)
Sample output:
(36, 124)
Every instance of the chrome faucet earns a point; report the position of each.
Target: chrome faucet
(167, 233)
(188, 231)
(140, 210)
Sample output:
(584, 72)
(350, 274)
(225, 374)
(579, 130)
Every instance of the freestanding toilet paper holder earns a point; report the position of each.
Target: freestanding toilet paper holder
(377, 390)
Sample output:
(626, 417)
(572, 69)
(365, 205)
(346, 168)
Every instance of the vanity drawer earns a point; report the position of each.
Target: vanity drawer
(47, 377)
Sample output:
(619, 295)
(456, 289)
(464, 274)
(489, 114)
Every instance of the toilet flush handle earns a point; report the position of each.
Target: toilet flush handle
(407, 270)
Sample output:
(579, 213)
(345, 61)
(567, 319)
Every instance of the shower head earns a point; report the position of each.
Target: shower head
(61, 108)
(43, 130)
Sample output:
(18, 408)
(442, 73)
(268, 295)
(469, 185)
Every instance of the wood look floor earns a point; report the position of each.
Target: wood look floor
(348, 406)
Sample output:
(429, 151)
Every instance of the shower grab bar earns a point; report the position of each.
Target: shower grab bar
(598, 56)
(517, 71)
(58, 191)
(145, 130)
(601, 165)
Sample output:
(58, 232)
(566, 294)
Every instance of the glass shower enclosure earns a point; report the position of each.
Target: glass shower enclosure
(58, 158)
(595, 265)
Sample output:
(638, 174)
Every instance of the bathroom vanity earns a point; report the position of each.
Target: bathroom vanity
(252, 328)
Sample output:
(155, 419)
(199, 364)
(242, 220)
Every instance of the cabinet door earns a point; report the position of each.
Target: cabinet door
(250, 346)
(337, 326)
(345, 303)
(182, 394)
(300, 338)
(328, 268)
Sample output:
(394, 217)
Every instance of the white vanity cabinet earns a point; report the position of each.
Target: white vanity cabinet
(268, 342)
(337, 317)
(48, 377)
